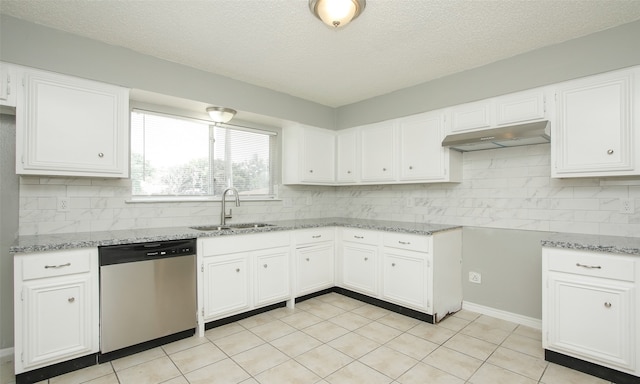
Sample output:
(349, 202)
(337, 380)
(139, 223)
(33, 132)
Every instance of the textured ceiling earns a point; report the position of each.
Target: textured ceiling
(279, 44)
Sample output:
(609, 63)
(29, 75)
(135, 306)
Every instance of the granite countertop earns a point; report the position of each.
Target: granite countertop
(596, 243)
(39, 243)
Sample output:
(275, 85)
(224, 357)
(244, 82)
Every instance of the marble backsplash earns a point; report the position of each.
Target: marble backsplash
(502, 188)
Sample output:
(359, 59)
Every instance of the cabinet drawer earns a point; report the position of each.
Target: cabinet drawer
(243, 243)
(360, 236)
(56, 263)
(317, 235)
(592, 264)
(406, 241)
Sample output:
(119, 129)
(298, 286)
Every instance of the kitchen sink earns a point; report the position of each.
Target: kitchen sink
(231, 226)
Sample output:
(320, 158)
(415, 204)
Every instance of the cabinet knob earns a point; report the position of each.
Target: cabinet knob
(307, 259)
(100, 154)
(607, 304)
(349, 172)
(410, 167)
(72, 299)
(366, 258)
(265, 265)
(610, 152)
(311, 171)
(237, 269)
(393, 264)
(384, 169)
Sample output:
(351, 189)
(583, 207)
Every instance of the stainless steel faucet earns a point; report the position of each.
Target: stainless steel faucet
(223, 214)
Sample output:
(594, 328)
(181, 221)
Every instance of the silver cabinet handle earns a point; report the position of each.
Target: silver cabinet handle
(265, 265)
(316, 237)
(410, 167)
(237, 269)
(384, 169)
(404, 242)
(349, 172)
(71, 299)
(588, 266)
(359, 237)
(307, 259)
(311, 171)
(101, 155)
(57, 266)
(366, 258)
(393, 264)
(610, 152)
(607, 305)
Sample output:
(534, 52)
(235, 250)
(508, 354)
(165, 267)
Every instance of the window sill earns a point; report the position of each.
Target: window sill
(148, 200)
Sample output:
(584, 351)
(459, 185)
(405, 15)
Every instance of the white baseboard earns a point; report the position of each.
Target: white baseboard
(6, 352)
(503, 315)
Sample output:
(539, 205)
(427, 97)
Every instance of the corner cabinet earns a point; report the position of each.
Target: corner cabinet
(590, 307)
(597, 130)
(56, 307)
(308, 155)
(67, 126)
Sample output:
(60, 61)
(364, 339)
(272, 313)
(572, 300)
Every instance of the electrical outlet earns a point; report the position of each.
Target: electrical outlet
(63, 204)
(475, 277)
(627, 206)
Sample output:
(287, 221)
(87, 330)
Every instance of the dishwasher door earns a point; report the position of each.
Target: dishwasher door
(145, 300)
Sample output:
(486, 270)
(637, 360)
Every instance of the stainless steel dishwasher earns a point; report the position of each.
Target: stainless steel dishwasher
(147, 295)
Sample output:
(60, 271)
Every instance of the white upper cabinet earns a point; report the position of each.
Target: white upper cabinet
(422, 157)
(471, 116)
(377, 146)
(308, 155)
(68, 126)
(347, 156)
(513, 108)
(597, 129)
(9, 75)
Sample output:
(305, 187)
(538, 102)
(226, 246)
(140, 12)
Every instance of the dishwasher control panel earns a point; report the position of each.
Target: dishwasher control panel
(128, 253)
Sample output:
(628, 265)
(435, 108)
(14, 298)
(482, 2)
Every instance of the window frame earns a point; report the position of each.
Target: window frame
(274, 149)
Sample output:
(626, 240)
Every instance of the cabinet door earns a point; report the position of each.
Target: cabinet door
(72, 127)
(377, 149)
(318, 156)
(58, 320)
(315, 268)
(591, 318)
(8, 85)
(360, 267)
(520, 107)
(422, 156)
(405, 276)
(471, 116)
(595, 132)
(347, 155)
(272, 275)
(226, 285)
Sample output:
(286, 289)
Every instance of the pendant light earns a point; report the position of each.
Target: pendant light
(221, 114)
(336, 13)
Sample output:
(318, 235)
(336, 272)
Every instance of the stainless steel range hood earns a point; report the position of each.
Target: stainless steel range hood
(510, 136)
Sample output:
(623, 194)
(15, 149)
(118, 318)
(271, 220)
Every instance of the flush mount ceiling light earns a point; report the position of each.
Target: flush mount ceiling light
(337, 13)
(221, 114)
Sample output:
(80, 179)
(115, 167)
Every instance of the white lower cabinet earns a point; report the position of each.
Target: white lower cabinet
(242, 272)
(359, 253)
(272, 275)
(590, 307)
(315, 254)
(56, 307)
(226, 285)
(405, 277)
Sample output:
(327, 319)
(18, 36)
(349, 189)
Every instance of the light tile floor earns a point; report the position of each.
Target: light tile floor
(336, 339)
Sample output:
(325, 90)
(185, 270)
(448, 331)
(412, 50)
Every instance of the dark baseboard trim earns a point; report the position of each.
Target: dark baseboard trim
(45, 373)
(104, 357)
(315, 294)
(592, 369)
(244, 315)
(386, 305)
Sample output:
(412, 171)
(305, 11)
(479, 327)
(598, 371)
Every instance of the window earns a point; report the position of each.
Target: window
(173, 156)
